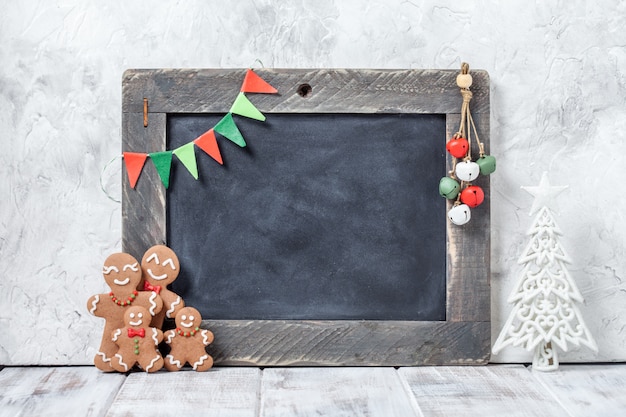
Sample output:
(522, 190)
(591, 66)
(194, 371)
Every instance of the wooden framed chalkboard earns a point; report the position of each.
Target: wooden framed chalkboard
(323, 241)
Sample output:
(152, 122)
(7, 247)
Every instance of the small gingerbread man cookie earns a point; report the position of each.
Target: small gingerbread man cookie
(160, 268)
(137, 342)
(122, 274)
(188, 342)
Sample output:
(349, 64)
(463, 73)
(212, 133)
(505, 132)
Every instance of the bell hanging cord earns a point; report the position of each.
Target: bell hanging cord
(464, 81)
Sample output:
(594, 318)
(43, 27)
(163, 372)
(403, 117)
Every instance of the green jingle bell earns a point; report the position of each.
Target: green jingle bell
(487, 164)
(449, 188)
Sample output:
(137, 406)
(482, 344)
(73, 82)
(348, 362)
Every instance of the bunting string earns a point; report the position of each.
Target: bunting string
(207, 142)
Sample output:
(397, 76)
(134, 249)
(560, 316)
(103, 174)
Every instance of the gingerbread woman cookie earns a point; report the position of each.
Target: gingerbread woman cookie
(122, 274)
(160, 268)
(188, 342)
(137, 342)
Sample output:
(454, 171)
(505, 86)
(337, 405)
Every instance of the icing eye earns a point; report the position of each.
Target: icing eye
(132, 315)
(183, 317)
(153, 257)
(191, 318)
(170, 262)
(106, 270)
(133, 267)
(140, 315)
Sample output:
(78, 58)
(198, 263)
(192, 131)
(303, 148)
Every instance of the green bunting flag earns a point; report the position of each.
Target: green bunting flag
(227, 128)
(243, 107)
(187, 155)
(162, 162)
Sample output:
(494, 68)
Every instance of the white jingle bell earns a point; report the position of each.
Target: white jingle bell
(467, 170)
(460, 214)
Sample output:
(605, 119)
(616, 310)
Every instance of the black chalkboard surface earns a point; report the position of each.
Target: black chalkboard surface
(324, 242)
(319, 217)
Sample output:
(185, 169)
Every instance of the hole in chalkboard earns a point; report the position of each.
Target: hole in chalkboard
(305, 90)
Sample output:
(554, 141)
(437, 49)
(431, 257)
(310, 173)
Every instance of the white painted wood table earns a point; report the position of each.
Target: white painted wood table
(494, 390)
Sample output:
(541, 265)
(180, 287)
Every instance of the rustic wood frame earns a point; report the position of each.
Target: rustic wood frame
(464, 338)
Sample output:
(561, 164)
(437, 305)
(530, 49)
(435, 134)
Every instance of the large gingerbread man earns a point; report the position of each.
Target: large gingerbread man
(160, 268)
(122, 274)
(187, 342)
(137, 342)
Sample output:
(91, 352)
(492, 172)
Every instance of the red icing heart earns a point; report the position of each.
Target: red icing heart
(472, 196)
(457, 147)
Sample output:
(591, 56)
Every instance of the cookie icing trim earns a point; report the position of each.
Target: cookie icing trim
(95, 301)
(173, 306)
(153, 305)
(205, 337)
(156, 358)
(173, 361)
(200, 361)
(118, 356)
(154, 336)
(116, 334)
(104, 357)
(170, 337)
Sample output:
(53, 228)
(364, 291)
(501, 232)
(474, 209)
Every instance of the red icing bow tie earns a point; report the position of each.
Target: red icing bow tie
(133, 332)
(149, 287)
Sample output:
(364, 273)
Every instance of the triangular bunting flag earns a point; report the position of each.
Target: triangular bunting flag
(252, 83)
(134, 164)
(227, 128)
(187, 155)
(208, 144)
(243, 107)
(163, 162)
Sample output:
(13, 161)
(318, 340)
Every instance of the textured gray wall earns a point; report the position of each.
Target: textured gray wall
(558, 104)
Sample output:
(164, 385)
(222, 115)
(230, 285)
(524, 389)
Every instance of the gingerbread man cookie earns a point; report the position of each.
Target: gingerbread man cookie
(122, 274)
(187, 342)
(137, 342)
(160, 268)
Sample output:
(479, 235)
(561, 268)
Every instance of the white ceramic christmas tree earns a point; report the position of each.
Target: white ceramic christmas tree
(545, 297)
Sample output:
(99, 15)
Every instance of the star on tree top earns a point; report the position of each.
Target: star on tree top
(544, 193)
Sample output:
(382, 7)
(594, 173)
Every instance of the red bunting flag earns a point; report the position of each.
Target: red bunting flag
(134, 164)
(255, 84)
(208, 144)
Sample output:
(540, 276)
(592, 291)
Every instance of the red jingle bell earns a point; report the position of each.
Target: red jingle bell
(473, 196)
(457, 147)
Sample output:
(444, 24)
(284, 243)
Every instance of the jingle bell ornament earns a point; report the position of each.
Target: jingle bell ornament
(460, 214)
(467, 170)
(487, 164)
(449, 188)
(473, 196)
(457, 147)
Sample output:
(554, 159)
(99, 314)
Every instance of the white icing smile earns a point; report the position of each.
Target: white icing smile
(123, 282)
(188, 324)
(135, 323)
(157, 277)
